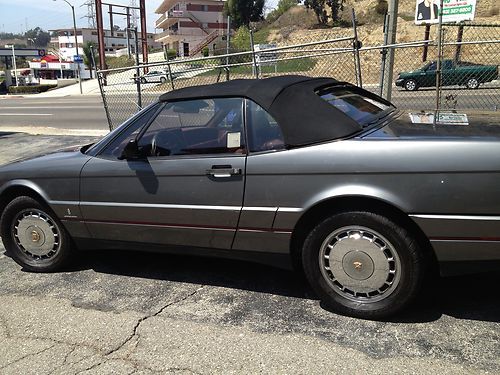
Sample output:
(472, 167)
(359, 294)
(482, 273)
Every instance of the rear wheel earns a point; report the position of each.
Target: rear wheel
(33, 236)
(163, 79)
(472, 83)
(362, 264)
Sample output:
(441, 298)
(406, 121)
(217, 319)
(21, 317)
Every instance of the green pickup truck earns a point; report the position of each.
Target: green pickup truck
(453, 73)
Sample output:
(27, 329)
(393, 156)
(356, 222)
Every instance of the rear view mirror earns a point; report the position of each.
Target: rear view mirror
(131, 151)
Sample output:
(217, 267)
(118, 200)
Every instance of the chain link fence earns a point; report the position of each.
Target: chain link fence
(126, 90)
(469, 69)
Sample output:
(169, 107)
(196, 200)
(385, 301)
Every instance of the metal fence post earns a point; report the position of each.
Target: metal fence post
(137, 70)
(439, 60)
(170, 76)
(356, 45)
(104, 101)
(228, 32)
(383, 52)
(254, 60)
(391, 39)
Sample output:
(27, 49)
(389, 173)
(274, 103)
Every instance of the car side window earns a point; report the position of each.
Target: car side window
(264, 133)
(115, 148)
(193, 127)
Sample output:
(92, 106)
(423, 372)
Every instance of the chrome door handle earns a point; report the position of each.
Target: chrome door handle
(223, 171)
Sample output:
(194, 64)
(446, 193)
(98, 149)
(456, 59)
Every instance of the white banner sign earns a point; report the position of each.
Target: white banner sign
(427, 11)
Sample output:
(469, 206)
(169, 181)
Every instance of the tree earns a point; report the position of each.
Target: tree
(87, 54)
(40, 37)
(318, 6)
(282, 7)
(242, 12)
(336, 6)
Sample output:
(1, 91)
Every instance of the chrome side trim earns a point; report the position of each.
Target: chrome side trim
(281, 231)
(457, 217)
(176, 206)
(265, 209)
(290, 209)
(155, 205)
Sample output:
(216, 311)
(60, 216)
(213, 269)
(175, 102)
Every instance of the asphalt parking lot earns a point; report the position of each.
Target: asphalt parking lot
(142, 313)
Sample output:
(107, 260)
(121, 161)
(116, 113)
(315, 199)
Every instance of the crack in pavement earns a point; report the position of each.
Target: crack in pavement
(136, 335)
(26, 356)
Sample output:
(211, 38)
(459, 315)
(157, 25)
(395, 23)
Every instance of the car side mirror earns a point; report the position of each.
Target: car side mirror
(131, 151)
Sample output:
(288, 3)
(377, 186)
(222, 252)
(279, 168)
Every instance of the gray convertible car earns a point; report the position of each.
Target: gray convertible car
(300, 172)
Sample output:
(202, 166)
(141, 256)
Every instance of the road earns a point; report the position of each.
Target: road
(119, 312)
(75, 112)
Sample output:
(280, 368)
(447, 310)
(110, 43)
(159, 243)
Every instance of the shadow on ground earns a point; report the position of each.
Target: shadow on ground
(472, 297)
(4, 134)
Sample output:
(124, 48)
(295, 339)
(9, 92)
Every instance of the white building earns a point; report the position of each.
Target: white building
(64, 41)
(190, 26)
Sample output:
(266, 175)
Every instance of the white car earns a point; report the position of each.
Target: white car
(155, 76)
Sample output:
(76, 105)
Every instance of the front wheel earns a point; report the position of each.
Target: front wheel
(33, 236)
(163, 80)
(362, 264)
(410, 85)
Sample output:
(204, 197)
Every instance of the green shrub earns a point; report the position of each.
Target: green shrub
(171, 54)
(114, 62)
(35, 89)
(381, 7)
(205, 52)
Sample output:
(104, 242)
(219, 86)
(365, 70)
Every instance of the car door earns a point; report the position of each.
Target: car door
(428, 76)
(184, 188)
(256, 230)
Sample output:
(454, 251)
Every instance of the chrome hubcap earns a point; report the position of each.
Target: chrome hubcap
(360, 264)
(410, 85)
(473, 82)
(36, 234)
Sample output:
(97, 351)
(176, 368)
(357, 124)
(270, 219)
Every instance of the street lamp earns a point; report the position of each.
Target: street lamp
(14, 61)
(76, 44)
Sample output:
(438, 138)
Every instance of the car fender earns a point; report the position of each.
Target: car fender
(360, 191)
(288, 218)
(22, 183)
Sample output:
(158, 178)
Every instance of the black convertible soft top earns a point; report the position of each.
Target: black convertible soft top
(303, 116)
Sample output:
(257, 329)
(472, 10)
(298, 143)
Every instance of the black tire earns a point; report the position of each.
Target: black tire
(143, 80)
(51, 252)
(472, 83)
(410, 85)
(163, 80)
(332, 279)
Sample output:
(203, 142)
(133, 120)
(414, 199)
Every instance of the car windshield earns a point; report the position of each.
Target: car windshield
(360, 108)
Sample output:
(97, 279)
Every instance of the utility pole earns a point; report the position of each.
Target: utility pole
(14, 62)
(391, 39)
(76, 45)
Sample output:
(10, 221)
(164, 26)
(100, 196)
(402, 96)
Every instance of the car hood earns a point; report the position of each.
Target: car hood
(478, 126)
(66, 162)
(411, 72)
(68, 149)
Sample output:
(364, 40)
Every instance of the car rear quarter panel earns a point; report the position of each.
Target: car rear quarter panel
(418, 177)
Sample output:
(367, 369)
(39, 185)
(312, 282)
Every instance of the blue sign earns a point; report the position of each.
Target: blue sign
(77, 58)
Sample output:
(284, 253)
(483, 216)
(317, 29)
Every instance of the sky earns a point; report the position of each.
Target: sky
(17, 16)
